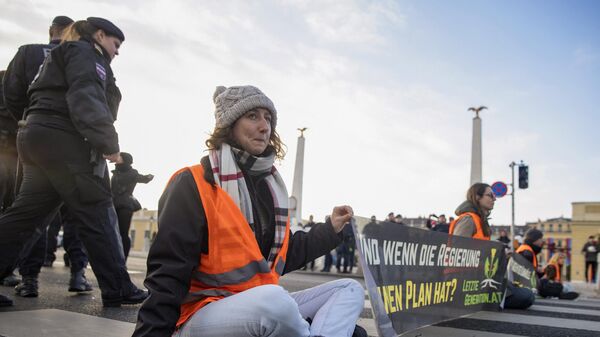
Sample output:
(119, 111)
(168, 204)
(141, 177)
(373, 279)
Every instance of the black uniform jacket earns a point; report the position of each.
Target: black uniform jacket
(20, 73)
(182, 236)
(77, 84)
(122, 184)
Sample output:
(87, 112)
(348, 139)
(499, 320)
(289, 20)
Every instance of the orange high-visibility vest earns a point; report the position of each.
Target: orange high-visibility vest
(525, 247)
(234, 262)
(476, 220)
(557, 268)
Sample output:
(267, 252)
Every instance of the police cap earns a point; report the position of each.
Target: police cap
(108, 27)
(62, 21)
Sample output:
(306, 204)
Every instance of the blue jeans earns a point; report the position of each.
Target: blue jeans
(270, 310)
(519, 298)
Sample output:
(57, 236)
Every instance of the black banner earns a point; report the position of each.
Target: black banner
(521, 272)
(417, 277)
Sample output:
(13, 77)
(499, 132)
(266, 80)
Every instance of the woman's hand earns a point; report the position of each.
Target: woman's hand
(114, 158)
(340, 216)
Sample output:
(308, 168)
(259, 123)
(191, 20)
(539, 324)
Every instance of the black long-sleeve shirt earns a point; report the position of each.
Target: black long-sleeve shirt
(183, 236)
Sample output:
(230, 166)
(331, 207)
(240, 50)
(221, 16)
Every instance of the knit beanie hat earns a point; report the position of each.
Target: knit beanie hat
(231, 103)
(533, 235)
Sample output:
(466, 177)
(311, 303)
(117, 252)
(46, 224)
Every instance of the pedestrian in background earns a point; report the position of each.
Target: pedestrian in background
(123, 181)
(590, 250)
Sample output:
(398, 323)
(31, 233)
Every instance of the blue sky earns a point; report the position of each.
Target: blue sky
(384, 87)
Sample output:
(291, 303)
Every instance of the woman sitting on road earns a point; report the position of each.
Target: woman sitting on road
(472, 222)
(224, 240)
(551, 284)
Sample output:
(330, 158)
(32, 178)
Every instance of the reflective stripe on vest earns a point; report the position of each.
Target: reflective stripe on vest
(234, 262)
(476, 220)
(239, 275)
(525, 247)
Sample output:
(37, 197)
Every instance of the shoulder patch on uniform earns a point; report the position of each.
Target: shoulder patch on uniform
(101, 71)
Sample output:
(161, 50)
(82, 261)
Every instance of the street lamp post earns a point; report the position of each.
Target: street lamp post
(512, 194)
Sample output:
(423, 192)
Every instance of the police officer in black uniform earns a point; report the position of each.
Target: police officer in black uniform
(64, 145)
(8, 165)
(19, 75)
(122, 183)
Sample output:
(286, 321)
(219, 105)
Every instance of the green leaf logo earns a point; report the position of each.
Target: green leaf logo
(491, 264)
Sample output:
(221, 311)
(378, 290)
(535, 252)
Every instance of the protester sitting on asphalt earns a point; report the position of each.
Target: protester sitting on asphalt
(551, 284)
(472, 222)
(531, 247)
(224, 238)
(473, 213)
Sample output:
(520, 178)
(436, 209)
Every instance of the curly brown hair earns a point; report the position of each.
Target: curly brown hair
(225, 135)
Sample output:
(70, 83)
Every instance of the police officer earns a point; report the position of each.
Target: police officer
(122, 184)
(73, 103)
(8, 164)
(20, 74)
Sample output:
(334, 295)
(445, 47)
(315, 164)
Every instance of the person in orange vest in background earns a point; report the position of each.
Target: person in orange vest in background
(473, 213)
(224, 240)
(472, 222)
(531, 247)
(551, 284)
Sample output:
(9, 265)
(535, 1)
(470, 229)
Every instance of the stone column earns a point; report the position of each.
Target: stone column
(476, 151)
(296, 198)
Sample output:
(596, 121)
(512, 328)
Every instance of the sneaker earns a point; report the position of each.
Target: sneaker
(568, 296)
(136, 297)
(29, 287)
(5, 301)
(359, 331)
(78, 283)
(11, 280)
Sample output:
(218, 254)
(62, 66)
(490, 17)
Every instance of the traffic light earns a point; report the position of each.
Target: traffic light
(523, 176)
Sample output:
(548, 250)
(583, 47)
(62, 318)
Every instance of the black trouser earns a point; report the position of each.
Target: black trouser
(72, 243)
(593, 265)
(56, 168)
(125, 214)
(8, 167)
(35, 250)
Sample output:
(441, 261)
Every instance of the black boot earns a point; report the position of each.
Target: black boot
(137, 296)
(29, 287)
(78, 283)
(11, 280)
(5, 301)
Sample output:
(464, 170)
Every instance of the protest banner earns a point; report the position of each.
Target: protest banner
(521, 272)
(417, 277)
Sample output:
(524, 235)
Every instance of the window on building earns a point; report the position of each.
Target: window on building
(551, 228)
(542, 227)
(559, 227)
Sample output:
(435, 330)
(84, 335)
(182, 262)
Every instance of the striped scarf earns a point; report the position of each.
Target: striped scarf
(226, 170)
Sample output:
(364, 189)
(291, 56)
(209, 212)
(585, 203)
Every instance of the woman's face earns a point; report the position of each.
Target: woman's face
(253, 130)
(110, 43)
(487, 200)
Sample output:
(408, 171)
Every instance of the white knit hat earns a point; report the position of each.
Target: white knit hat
(231, 103)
